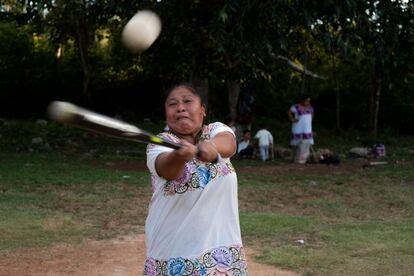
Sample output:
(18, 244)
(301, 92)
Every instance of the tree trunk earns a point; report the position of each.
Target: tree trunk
(377, 86)
(57, 72)
(337, 93)
(233, 97)
(82, 41)
(201, 85)
(371, 106)
(233, 85)
(338, 110)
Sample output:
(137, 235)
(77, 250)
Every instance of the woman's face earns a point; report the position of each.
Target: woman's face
(184, 111)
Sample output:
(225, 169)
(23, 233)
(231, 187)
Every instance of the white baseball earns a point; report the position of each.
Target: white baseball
(141, 31)
(61, 111)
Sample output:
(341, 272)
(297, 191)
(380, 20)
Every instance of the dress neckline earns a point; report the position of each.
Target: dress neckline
(197, 138)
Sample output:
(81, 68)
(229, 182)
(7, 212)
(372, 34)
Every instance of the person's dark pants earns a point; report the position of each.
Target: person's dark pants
(247, 152)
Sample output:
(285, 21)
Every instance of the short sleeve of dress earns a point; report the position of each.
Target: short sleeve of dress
(152, 153)
(218, 127)
(293, 109)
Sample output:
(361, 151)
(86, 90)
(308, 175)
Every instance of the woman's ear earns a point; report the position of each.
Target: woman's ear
(203, 108)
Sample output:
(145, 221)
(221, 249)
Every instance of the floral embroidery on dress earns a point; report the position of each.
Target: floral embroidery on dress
(196, 174)
(224, 260)
(204, 176)
(181, 184)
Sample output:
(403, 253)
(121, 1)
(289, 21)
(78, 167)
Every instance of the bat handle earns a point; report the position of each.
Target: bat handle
(172, 145)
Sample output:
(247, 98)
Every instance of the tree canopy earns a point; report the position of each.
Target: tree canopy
(353, 57)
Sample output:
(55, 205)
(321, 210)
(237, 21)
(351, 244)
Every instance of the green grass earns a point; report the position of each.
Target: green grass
(353, 220)
(26, 226)
(28, 170)
(50, 197)
(356, 221)
(379, 248)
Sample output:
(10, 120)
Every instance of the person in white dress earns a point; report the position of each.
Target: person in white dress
(193, 225)
(301, 116)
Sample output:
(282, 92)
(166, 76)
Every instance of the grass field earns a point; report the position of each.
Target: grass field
(355, 221)
(352, 220)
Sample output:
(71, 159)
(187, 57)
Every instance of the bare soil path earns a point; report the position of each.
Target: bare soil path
(117, 257)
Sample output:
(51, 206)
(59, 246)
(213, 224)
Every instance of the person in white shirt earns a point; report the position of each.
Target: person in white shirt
(244, 148)
(265, 140)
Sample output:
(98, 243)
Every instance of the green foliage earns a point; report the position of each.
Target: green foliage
(344, 41)
(15, 54)
(21, 136)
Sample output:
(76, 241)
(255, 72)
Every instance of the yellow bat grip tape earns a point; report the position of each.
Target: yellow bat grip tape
(156, 139)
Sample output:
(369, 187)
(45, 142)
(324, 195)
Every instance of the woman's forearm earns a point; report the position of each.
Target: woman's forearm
(169, 165)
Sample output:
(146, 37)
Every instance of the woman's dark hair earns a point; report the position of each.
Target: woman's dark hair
(187, 86)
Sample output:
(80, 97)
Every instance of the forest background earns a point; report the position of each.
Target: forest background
(355, 58)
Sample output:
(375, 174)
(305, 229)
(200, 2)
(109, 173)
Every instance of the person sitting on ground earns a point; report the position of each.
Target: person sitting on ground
(245, 148)
(265, 140)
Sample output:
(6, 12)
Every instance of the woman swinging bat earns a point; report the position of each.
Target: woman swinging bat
(192, 226)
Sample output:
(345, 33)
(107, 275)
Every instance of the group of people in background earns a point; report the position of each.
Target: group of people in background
(246, 147)
(300, 115)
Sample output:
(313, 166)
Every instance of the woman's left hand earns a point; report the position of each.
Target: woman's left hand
(207, 151)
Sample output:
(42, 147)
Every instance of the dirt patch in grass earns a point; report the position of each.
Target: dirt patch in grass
(266, 168)
(122, 257)
(304, 169)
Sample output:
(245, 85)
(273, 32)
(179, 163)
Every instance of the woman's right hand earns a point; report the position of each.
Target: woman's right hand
(187, 151)
(207, 151)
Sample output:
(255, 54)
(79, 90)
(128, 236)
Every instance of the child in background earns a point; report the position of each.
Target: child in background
(265, 140)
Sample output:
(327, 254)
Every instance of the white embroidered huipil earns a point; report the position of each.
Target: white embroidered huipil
(193, 226)
(302, 129)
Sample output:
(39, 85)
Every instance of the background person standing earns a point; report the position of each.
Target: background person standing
(301, 116)
(265, 140)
